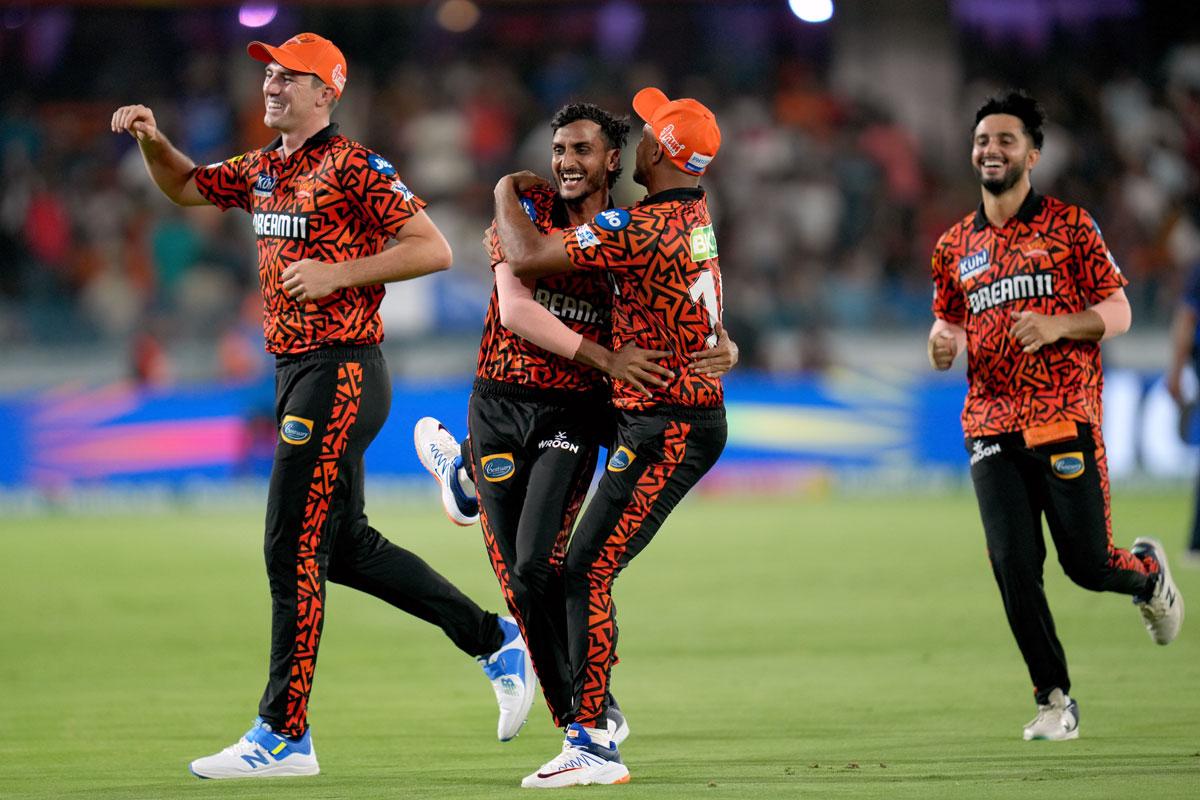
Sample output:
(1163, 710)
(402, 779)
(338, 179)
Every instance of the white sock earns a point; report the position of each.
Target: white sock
(464, 480)
(599, 736)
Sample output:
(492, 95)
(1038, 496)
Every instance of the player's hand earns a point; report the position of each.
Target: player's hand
(309, 280)
(717, 360)
(943, 347)
(523, 181)
(636, 366)
(137, 121)
(491, 245)
(1034, 331)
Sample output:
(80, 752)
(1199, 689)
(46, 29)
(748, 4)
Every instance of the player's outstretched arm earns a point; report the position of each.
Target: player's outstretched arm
(945, 341)
(418, 249)
(717, 360)
(530, 255)
(170, 169)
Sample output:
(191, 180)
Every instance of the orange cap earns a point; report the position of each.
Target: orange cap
(685, 128)
(306, 52)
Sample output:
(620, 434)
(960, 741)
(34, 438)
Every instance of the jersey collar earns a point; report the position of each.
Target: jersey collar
(323, 135)
(1029, 209)
(680, 195)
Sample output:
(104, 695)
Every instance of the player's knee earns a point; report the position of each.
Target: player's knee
(529, 580)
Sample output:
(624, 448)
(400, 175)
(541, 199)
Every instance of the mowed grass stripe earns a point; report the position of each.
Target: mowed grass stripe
(770, 648)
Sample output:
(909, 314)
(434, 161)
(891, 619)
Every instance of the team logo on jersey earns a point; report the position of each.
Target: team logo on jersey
(264, 184)
(530, 208)
(612, 219)
(972, 265)
(498, 467)
(380, 164)
(621, 459)
(399, 188)
(1067, 465)
(586, 236)
(697, 163)
(295, 430)
(704, 244)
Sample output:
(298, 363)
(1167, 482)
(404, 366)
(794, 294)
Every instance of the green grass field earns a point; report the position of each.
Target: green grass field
(827, 648)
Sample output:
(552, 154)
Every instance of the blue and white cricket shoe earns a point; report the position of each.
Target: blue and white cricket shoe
(584, 760)
(261, 753)
(511, 672)
(615, 722)
(440, 453)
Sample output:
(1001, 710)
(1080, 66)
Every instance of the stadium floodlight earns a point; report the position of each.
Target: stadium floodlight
(812, 10)
(256, 15)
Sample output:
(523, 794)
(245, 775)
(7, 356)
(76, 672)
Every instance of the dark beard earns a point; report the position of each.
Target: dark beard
(1003, 184)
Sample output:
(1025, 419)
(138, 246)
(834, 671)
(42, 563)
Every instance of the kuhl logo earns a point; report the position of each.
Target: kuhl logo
(264, 184)
(295, 430)
(498, 467)
(1067, 465)
(973, 264)
(621, 459)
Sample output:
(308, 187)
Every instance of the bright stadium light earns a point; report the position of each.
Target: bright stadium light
(812, 10)
(458, 16)
(255, 15)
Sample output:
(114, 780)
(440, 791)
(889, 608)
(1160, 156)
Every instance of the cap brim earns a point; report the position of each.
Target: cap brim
(260, 51)
(647, 101)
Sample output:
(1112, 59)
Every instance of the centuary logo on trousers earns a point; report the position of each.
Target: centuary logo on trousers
(1067, 465)
(295, 430)
(559, 442)
(498, 467)
(621, 459)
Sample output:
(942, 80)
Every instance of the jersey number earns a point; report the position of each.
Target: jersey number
(704, 291)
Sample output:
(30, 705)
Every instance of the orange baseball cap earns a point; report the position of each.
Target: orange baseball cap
(306, 52)
(685, 128)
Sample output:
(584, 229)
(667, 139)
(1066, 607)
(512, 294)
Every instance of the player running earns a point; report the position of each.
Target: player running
(661, 260)
(1027, 285)
(324, 210)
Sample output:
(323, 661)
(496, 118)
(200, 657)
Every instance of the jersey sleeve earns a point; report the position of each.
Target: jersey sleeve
(1097, 272)
(615, 240)
(226, 183)
(948, 301)
(373, 188)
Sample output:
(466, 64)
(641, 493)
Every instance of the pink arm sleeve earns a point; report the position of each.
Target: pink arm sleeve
(1115, 312)
(529, 319)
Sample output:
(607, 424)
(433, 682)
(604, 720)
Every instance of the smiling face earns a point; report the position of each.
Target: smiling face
(581, 160)
(292, 99)
(1002, 153)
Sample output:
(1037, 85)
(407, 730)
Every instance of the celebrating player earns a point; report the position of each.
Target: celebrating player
(1027, 285)
(325, 209)
(538, 413)
(661, 259)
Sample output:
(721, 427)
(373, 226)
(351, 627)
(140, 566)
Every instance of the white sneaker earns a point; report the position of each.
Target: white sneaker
(1056, 721)
(261, 753)
(583, 761)
(511, 672)
(440, 454)
(618, 726)
(1162, 611)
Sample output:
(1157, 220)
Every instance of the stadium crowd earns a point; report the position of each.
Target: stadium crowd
(826, 205)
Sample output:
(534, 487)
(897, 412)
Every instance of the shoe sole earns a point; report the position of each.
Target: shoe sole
(277, 772)
(447, 494)
(610, 778)
(1072, 735)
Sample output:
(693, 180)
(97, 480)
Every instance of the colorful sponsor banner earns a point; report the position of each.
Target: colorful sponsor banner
(87, 435)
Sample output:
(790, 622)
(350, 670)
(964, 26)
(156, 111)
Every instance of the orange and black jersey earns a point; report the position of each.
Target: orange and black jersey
(332, 200)
(581, 301)
(660, 257)
(1050, 259)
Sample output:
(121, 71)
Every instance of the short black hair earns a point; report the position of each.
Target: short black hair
(614, 128)
(1019, 104)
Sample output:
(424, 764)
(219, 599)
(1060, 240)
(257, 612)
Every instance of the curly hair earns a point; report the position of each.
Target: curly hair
(615, 129)
(1020, 105)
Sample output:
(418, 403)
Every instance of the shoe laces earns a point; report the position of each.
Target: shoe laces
(241, 747)
(442, 448)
